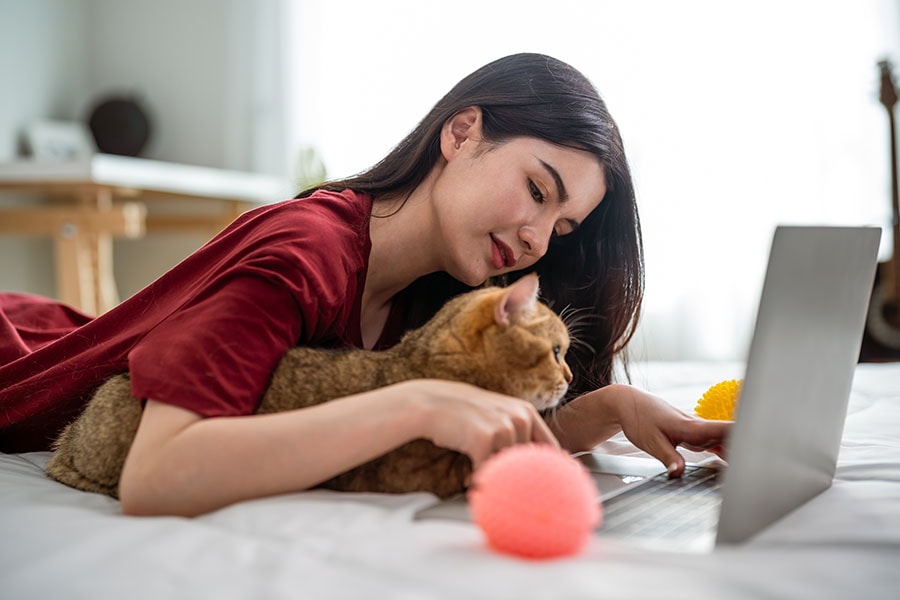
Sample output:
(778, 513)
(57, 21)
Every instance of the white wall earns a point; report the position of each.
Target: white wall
(207, 71)
(212, 73)
(170, 55)
(736, 116)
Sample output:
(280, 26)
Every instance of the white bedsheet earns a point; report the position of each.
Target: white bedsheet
(56, 542)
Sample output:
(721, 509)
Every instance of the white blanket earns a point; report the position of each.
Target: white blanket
(56, 542)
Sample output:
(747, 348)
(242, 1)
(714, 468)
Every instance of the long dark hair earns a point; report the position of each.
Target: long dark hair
(595, 273)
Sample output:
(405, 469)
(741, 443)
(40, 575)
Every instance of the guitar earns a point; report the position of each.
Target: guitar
(881, 340)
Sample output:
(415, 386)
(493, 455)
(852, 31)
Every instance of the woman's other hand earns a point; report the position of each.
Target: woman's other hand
(649, 422)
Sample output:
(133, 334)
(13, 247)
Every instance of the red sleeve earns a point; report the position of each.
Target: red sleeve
(215, 356)
(292, 276)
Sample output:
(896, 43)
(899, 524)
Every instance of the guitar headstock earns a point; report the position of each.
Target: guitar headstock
(888, 95)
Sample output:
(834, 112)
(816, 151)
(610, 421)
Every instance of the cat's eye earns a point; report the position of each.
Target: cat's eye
(556, 351)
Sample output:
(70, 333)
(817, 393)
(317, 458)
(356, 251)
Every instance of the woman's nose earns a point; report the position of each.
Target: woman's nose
(534, 239)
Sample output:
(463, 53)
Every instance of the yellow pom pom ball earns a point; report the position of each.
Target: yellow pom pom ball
(720, 401)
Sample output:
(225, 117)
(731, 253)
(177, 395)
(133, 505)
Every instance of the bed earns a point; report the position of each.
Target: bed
(57, 542)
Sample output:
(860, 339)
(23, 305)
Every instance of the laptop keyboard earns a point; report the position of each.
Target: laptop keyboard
(664, 508)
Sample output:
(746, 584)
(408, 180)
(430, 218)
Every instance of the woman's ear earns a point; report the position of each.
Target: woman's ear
(464, 126)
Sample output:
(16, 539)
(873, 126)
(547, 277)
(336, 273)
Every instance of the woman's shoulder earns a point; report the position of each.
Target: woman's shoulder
(325, 220)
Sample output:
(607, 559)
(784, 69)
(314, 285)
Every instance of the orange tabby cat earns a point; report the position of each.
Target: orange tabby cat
(501, 339)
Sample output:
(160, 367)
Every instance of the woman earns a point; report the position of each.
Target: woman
(519, 168)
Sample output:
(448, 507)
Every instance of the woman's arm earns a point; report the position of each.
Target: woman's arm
(647, 421)
(181, 464)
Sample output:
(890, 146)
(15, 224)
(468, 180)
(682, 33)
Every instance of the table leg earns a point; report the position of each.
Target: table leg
(100, 243)
(74, 268)
(84, 259)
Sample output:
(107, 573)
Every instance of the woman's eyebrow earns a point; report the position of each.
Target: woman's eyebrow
(561, 192)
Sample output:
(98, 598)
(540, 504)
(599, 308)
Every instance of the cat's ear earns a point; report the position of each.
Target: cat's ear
(517, 299)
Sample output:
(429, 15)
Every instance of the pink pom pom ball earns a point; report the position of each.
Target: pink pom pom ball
(535, 501)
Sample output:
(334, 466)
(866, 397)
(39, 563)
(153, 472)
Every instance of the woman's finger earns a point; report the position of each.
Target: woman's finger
(705, 434)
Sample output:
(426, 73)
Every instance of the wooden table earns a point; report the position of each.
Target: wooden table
(85, 203)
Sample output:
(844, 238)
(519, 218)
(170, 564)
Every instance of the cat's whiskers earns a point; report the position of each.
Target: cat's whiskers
(575, 321)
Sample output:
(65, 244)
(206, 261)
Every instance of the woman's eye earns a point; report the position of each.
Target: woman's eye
(561, 229)
(535, 192)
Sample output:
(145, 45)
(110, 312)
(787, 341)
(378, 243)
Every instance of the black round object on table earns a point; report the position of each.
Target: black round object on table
(120, 126)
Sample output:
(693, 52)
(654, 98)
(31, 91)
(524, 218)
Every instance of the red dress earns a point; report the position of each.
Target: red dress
(206, 335)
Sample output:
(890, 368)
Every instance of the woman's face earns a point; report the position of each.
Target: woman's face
(497, 207)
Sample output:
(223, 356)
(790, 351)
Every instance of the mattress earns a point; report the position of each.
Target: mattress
(58, 542)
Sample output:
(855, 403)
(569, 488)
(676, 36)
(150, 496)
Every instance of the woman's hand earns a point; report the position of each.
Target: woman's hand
(476, 422)
(648, 422)
(656, 427)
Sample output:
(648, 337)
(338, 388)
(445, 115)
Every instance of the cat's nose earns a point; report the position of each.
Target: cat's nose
(568, 374)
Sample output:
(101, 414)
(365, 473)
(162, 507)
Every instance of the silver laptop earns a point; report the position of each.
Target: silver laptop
(802, 358)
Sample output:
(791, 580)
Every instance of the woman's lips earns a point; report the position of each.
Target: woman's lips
(501, 254)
